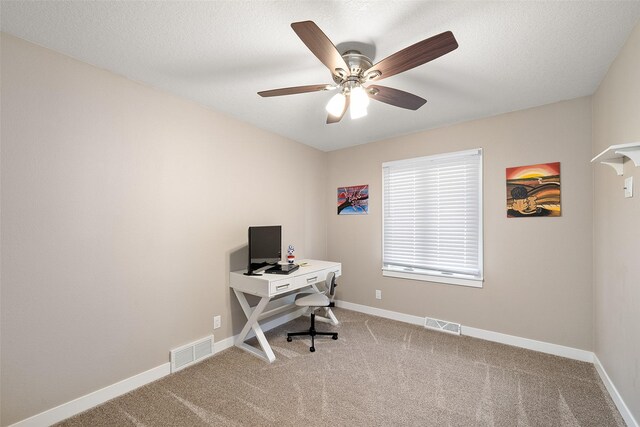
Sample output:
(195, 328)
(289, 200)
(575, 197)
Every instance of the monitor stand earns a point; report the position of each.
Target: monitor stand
(259, 270)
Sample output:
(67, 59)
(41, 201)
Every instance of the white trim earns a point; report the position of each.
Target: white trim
(541, 346)
(81, 404)
(615, 396)
(88, 401)
(481, 219)
(471, 152)
(223, 344)
(472, 283)
(387, 314)
(544, 347)
(456, 279)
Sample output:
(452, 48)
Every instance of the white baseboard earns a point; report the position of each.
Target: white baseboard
(81, 404)
(223, 344)
(387, 314)
(544, 347)
(541, 346)
(95, 398)
(529, 344)
(98, 397)
(613, 391)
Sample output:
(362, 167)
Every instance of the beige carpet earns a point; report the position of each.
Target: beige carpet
(379, 373)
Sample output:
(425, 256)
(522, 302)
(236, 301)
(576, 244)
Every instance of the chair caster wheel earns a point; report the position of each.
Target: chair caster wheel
(289, 339)
(312, 349)
(335, 337)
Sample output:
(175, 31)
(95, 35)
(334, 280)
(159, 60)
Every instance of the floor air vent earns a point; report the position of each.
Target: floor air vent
(442, 326)
(189, 354)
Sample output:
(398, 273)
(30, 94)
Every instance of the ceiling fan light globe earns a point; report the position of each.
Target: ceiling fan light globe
(359, 102)
(336, 104)
(359, 97)
(357, 112)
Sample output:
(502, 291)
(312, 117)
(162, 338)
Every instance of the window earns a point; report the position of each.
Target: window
(432, 218)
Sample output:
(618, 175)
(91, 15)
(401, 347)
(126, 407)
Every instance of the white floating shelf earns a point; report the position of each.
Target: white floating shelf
(615, 154)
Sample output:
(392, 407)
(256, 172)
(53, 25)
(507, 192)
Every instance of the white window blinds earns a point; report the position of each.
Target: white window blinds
(432, 220)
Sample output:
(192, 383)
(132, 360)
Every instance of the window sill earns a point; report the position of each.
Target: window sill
(450, 280)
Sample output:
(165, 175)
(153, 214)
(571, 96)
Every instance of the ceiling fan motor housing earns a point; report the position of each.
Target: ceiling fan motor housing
(357, 63)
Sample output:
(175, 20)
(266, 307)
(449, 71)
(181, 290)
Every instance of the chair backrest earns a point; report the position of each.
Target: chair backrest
(331, 284)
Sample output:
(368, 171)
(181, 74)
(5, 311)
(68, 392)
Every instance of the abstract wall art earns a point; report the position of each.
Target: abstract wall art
(533, 190)
(353, 200)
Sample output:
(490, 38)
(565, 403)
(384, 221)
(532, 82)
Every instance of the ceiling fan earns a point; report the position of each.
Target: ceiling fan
(352, 70)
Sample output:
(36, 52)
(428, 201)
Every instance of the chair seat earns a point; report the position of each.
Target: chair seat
(312, 300)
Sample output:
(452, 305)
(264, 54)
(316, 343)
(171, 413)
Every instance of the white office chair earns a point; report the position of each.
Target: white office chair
(316, 300)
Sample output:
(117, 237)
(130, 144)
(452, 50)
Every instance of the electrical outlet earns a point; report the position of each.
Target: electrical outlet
(378, 294)
(217, 320)
(628, 187)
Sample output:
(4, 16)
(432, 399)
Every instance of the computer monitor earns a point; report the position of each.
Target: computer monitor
(265, 247)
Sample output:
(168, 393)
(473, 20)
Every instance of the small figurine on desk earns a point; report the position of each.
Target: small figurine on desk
(290, 256)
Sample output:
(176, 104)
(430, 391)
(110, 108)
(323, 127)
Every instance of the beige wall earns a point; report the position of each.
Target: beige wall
(538, 281)
(616, 120)
(121, 206)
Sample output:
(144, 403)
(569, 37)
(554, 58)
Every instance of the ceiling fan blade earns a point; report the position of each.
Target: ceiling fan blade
(320, 45)
(412, 56)
(335, 119)
(294, 90)
(395, 97)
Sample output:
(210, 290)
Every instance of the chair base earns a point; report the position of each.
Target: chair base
(312, 333)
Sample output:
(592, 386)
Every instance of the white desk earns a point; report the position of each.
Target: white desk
(270, 287)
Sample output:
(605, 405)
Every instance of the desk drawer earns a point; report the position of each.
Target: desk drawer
(282, 286)
(311, 278)
(316, 276)
(336, 270)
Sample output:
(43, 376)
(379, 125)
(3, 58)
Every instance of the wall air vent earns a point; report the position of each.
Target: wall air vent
(189, 354)
(442, 326)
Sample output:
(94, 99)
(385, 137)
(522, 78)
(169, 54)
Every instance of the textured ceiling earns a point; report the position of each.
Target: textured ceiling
(512, 55)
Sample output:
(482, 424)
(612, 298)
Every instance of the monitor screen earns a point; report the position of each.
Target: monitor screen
(265, 246)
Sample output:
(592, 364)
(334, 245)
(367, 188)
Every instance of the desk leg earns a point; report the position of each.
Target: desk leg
(253, 315)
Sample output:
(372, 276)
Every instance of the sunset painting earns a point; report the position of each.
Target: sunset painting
(353, 200)
(533, 190)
